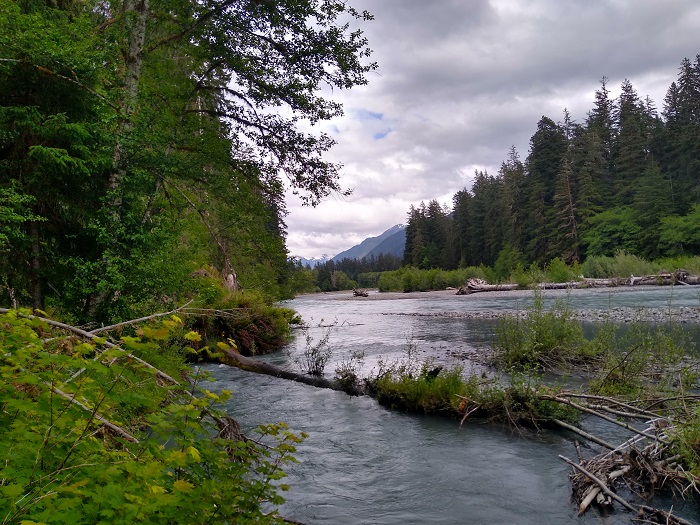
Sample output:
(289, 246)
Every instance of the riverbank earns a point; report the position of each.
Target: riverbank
(617, 314)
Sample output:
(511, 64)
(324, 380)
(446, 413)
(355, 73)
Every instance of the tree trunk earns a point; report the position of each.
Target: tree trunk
(137, 14)
(233, 358)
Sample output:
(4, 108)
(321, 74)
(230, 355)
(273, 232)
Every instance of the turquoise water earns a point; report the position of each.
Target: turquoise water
(363, 464)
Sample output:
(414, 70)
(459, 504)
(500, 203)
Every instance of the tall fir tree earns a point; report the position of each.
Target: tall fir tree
(631, 146)
(547, 148)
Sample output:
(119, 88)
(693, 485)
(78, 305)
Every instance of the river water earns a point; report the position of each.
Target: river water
(364, 464)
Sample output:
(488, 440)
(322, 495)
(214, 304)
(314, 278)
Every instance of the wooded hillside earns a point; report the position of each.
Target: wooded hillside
(141, 140)
(627, 178)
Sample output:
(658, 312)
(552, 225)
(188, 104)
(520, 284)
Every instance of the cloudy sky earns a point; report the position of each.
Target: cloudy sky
(460, 81)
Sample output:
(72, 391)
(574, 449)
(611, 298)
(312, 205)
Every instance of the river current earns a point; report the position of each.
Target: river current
(364, 464)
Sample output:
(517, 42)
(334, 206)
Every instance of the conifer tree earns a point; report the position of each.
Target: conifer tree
(547, 148)
(630, 152)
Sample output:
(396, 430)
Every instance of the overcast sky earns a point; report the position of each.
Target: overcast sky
(460, 81)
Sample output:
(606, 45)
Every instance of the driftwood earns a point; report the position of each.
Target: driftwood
(233, 358)
(643, 462)
(679, 277)
(359, 293)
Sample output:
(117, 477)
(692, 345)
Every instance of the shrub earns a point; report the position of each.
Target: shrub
(316, 353)
(541, 338)
(558, 272)
(104, 459)
(622, 264)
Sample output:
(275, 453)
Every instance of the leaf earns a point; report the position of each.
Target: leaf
(193, 336)
(183, 486)
(194, 453)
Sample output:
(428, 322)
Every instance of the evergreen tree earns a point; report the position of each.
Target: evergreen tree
(462, 227)
(652, 201)
(682, 155)
(600, 123)
(513, 204)
(120, 131)
(547, 148)
(567, 235)
(631, 145)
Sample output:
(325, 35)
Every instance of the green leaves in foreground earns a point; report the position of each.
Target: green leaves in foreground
(60, 464)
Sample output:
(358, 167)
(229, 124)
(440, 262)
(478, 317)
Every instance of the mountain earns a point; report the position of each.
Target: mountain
(371, 244)
(313, 261)
(392, 245)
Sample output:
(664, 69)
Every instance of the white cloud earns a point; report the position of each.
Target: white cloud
(460, 82)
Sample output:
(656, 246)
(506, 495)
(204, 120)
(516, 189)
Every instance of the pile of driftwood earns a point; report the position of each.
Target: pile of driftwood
(359, 293)
(644, 464)
(679, 277)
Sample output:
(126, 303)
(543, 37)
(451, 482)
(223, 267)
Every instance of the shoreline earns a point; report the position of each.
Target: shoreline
(681, 314)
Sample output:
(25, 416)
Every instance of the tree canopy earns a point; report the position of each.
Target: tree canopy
(627, 179)
(143, 139)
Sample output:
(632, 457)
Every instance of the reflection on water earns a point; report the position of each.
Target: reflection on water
(365, 464)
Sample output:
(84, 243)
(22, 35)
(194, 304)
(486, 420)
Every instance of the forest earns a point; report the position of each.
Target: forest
(627, 179)
(144, 143)
(145, 150)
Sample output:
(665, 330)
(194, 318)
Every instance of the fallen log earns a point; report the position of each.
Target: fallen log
(679, 277)
(233, 358)
(359, 293)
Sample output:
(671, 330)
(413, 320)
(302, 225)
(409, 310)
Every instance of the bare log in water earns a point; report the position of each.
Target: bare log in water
(233, 358)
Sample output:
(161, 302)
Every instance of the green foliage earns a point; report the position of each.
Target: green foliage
(680, 235)
(624, 180)
(340, 281)
(611, 231)
(422, 393)
(416, 387)
(558, 272)
(411, 279)
(622, 361)
(60, 464)
(245, 317)
(622, 264)
(643, 359)
(508, 261)
(686, 441)
(316, 353)
(132, 162)
(348, 370)
(543, 338)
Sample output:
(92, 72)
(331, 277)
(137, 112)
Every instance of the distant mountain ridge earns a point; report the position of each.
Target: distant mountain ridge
(313, 262)
(392, 241)
(392, 245)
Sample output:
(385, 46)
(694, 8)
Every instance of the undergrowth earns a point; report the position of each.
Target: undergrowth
(89, 434)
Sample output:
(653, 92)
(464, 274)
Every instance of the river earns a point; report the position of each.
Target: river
(364, 464)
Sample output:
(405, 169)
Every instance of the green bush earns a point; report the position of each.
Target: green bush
(542, 339)
(557, 271)
(165, 457)
(411, 279)
(622, 264)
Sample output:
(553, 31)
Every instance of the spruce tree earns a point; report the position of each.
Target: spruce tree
(630, 152)
(547, 148)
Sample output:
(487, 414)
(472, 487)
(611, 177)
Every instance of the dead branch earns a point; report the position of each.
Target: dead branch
(589, 437)
(113, 427)
(604, 417)
(139, 320)
(598, 482)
